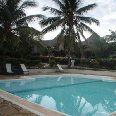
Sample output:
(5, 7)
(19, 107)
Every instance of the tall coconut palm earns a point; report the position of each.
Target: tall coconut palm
(70, 17)
(13, 16)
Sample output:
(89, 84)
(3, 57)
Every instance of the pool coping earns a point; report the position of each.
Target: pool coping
(29, 77)
(74, 71)
(32, 107)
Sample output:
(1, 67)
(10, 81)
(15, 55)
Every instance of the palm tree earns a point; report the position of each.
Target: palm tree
(69, 16)
(13, 16)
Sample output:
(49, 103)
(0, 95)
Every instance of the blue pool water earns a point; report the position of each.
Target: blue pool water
(71, 94)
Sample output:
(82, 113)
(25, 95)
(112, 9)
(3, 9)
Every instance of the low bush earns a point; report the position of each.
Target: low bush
(36, 61)
(52, 62)
(108, 63)
(92, 63)
(17, 61)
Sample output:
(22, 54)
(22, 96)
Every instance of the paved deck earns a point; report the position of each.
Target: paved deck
(9, 109)
(110, 74)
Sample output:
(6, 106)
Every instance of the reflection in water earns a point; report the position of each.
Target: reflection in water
(86, 109)
(22, 83)
(48, 102)
(115, 91)
(59, 78)
(72, 80)
(43, 100)
(61, 106)
(33, 97)
(7, 84)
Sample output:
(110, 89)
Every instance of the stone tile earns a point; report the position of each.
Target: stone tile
(9, 109)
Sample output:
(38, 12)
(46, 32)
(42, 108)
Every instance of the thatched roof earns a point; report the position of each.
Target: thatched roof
(91, 39)
(50, 43)
(53, 42)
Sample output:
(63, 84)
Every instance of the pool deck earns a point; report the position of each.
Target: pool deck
(8, 108)
(108, 74)
(16, 106)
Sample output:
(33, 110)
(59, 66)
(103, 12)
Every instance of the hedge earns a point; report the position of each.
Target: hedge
(36, 61)
(92, 63)
(17, 61)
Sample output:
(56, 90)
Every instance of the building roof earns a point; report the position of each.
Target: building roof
(50, 43)
(53, 42)
(92, 39)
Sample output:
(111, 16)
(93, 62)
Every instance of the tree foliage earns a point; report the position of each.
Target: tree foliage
(111, 37)
(12, 19)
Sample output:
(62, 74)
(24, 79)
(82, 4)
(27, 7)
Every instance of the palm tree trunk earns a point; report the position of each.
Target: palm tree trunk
(69, 58)
(82, 53)
(70, 46)
(81, 49)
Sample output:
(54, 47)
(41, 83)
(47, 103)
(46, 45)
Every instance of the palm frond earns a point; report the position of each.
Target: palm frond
(52, 10)
(60, 37)
(28, 4)
(12, 4)
(111, 37)
(86, 8)
(1, 3)
(49, 20)
(17, 15)
(59, 3)
(86, 27)
(88, 20)
(30, 18)
(74, 4)
(78, 38)
(53, 26)
(26, 28)
(82, 34)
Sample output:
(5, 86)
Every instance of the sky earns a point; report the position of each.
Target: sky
(105, 12)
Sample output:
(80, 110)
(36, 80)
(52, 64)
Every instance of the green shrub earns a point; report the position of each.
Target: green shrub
(63, 61)
(85, 62)
(108, 63)
(94, 63)
(17, 61)
(77, 61)
(34, 58)
(97, 63)
(52, 62)
(36, 62)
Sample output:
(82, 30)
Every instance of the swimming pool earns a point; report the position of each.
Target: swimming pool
(76, 95)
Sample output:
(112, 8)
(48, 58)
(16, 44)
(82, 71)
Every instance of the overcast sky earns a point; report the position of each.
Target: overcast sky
(105, 12)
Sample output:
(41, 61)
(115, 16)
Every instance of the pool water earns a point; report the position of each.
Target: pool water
(74, 95)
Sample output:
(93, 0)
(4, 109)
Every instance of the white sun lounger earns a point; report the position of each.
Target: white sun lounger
(23, 67)
(8, 69)
(60, 68)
